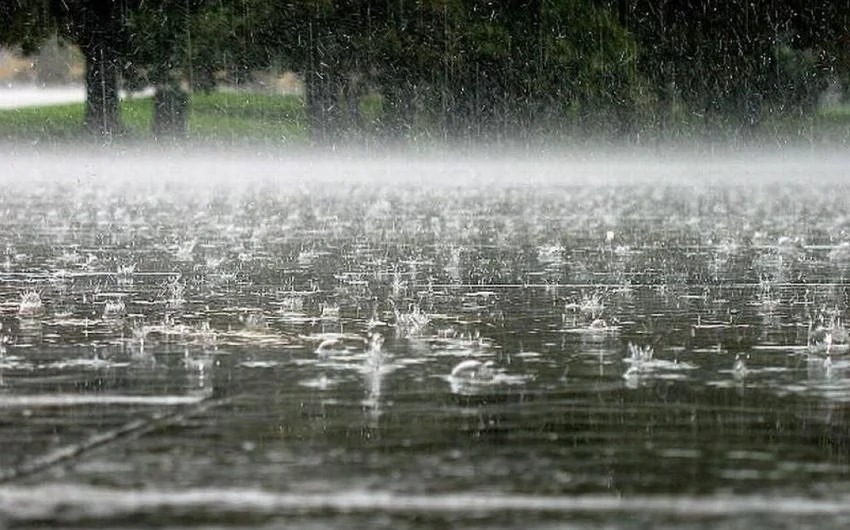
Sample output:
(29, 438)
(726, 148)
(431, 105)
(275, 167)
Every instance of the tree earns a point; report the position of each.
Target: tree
(159, 54)
(26, 23)
(732, 62)
(98, 27)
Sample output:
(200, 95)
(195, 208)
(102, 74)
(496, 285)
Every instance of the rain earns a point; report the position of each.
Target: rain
(424, 264)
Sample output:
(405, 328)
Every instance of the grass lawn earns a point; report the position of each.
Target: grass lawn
(238, 117)
(241, 118)
(60, 123)
(219, 117)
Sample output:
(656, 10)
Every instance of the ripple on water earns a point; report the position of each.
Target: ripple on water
(72, 503)
(321, 382)
(259, 364)
(85, 363)
(271, 271)
(76, 400)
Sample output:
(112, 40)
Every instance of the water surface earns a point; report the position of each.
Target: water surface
(253, 340)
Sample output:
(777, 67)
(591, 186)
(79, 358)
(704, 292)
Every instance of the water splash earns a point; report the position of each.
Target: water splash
(30, 304)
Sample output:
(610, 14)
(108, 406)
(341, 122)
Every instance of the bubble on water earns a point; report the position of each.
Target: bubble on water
(339, 343)
(739, 369)
(473, 370)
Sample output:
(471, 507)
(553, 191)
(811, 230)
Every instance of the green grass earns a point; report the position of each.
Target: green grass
(240, 118)
(57, 122)
(829, 126)
(218, 117)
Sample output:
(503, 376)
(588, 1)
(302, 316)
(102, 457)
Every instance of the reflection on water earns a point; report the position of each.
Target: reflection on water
(423, 348)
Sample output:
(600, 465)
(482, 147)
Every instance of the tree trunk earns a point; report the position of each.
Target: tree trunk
(322, 112)
(102, 113)
(397, 117)
(170, 112)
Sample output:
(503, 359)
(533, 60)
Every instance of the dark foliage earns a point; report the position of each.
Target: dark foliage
(466, 69)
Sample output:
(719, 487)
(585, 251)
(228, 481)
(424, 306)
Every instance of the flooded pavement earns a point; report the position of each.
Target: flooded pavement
(419, 344)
